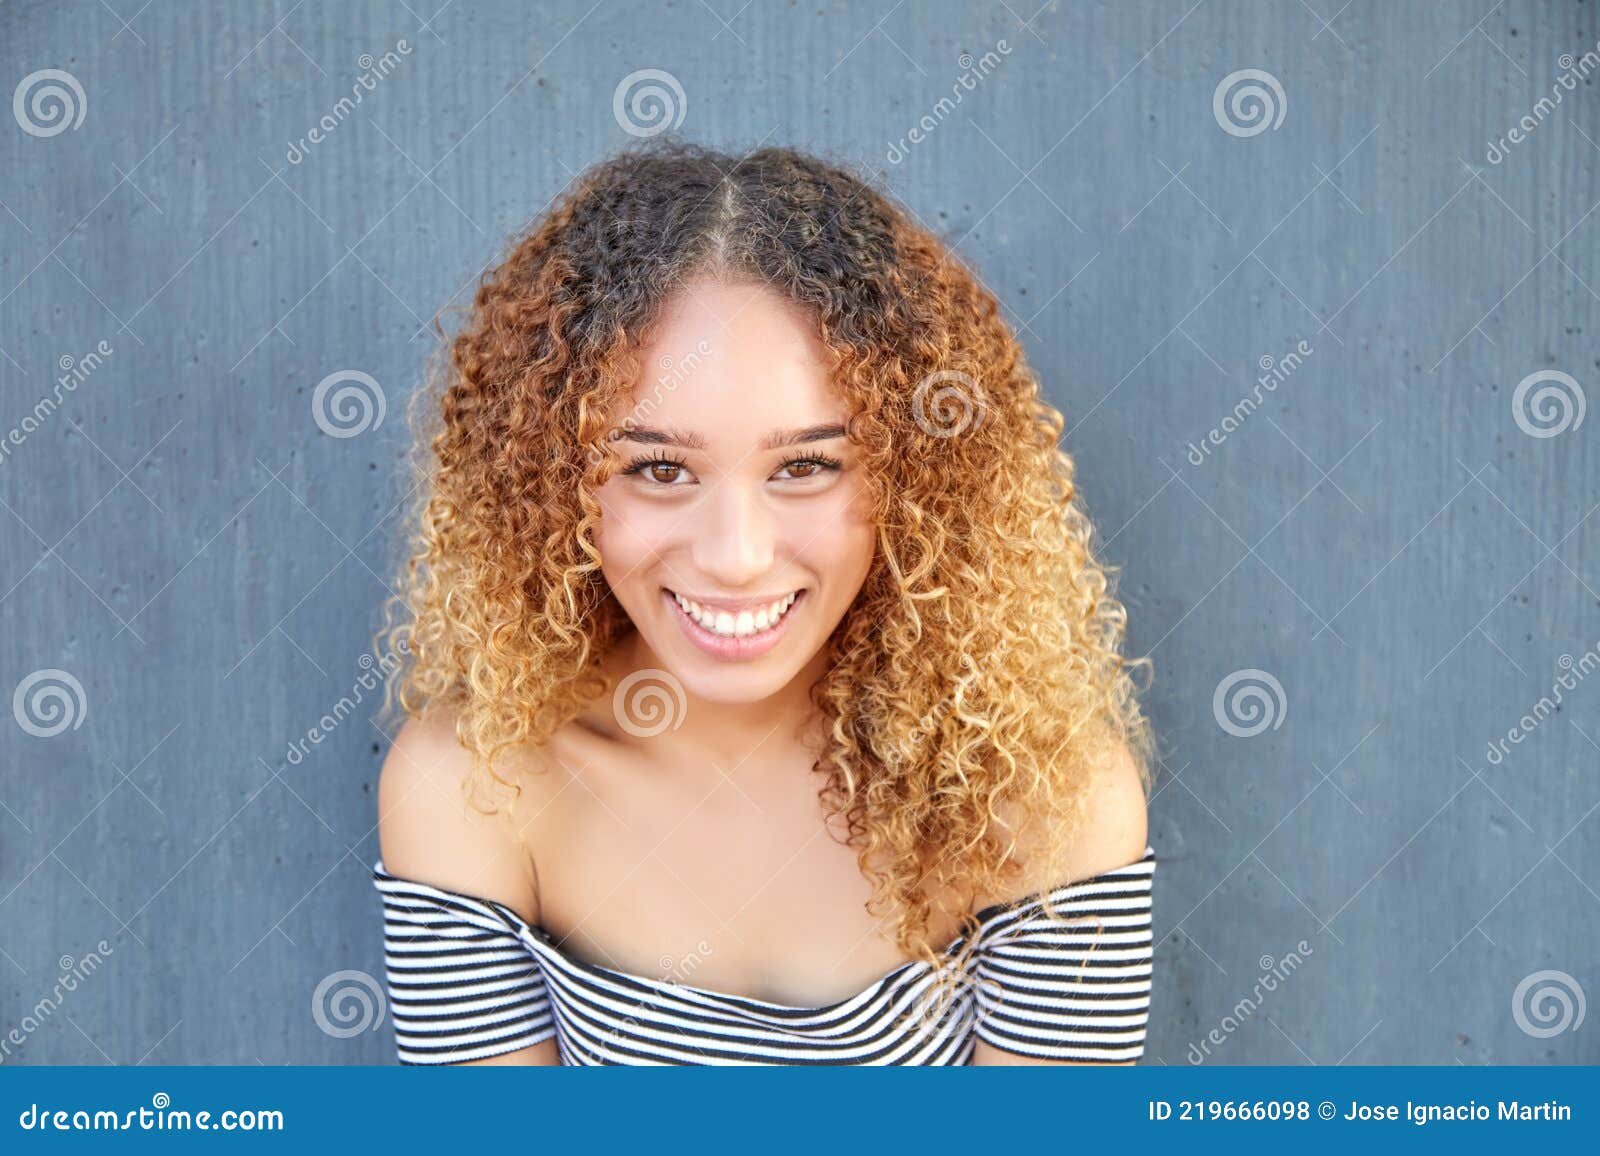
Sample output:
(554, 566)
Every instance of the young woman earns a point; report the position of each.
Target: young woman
(764, 700)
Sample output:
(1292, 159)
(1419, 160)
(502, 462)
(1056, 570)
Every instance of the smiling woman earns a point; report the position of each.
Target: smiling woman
(722, 539)
(768, 709)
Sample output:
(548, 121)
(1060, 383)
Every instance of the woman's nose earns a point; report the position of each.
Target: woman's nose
(733, 541)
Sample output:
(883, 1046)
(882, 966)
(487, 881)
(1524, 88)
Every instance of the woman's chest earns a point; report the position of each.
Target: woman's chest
(735, 885)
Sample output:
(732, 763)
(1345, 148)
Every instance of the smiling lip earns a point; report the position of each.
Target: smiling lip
(734, 649)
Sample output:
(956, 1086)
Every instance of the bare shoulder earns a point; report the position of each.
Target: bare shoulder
(1113, 832)
(430, 832)
(1115, 828)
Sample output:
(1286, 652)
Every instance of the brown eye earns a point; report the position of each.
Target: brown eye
(663, 473)
(811, 466)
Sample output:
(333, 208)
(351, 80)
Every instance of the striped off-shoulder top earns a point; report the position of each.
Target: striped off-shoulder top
(468, 978)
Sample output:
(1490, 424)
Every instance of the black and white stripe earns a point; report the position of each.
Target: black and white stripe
(469, 978)
(1072, 983)
(461, 984)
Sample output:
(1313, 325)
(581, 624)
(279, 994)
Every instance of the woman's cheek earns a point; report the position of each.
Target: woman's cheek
(831, 531)
(628, 533)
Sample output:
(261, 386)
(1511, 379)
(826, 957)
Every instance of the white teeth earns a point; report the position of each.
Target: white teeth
(739, 625)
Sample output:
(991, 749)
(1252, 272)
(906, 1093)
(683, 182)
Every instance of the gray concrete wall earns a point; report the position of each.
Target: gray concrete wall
(1402, 545)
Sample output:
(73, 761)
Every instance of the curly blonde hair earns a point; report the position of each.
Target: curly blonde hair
(976, 677)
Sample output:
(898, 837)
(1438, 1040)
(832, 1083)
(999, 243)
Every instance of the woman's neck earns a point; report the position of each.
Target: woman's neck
(724, 733)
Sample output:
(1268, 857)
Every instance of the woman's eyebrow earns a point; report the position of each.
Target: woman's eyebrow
(777, 439)
(646, 435)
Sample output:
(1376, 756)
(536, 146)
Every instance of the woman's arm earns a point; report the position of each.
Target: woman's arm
(427, 832)
(1115, 832)
(990, 1056)
(545, 1054)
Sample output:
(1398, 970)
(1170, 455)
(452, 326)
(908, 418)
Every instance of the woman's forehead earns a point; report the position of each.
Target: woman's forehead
(733, 329)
